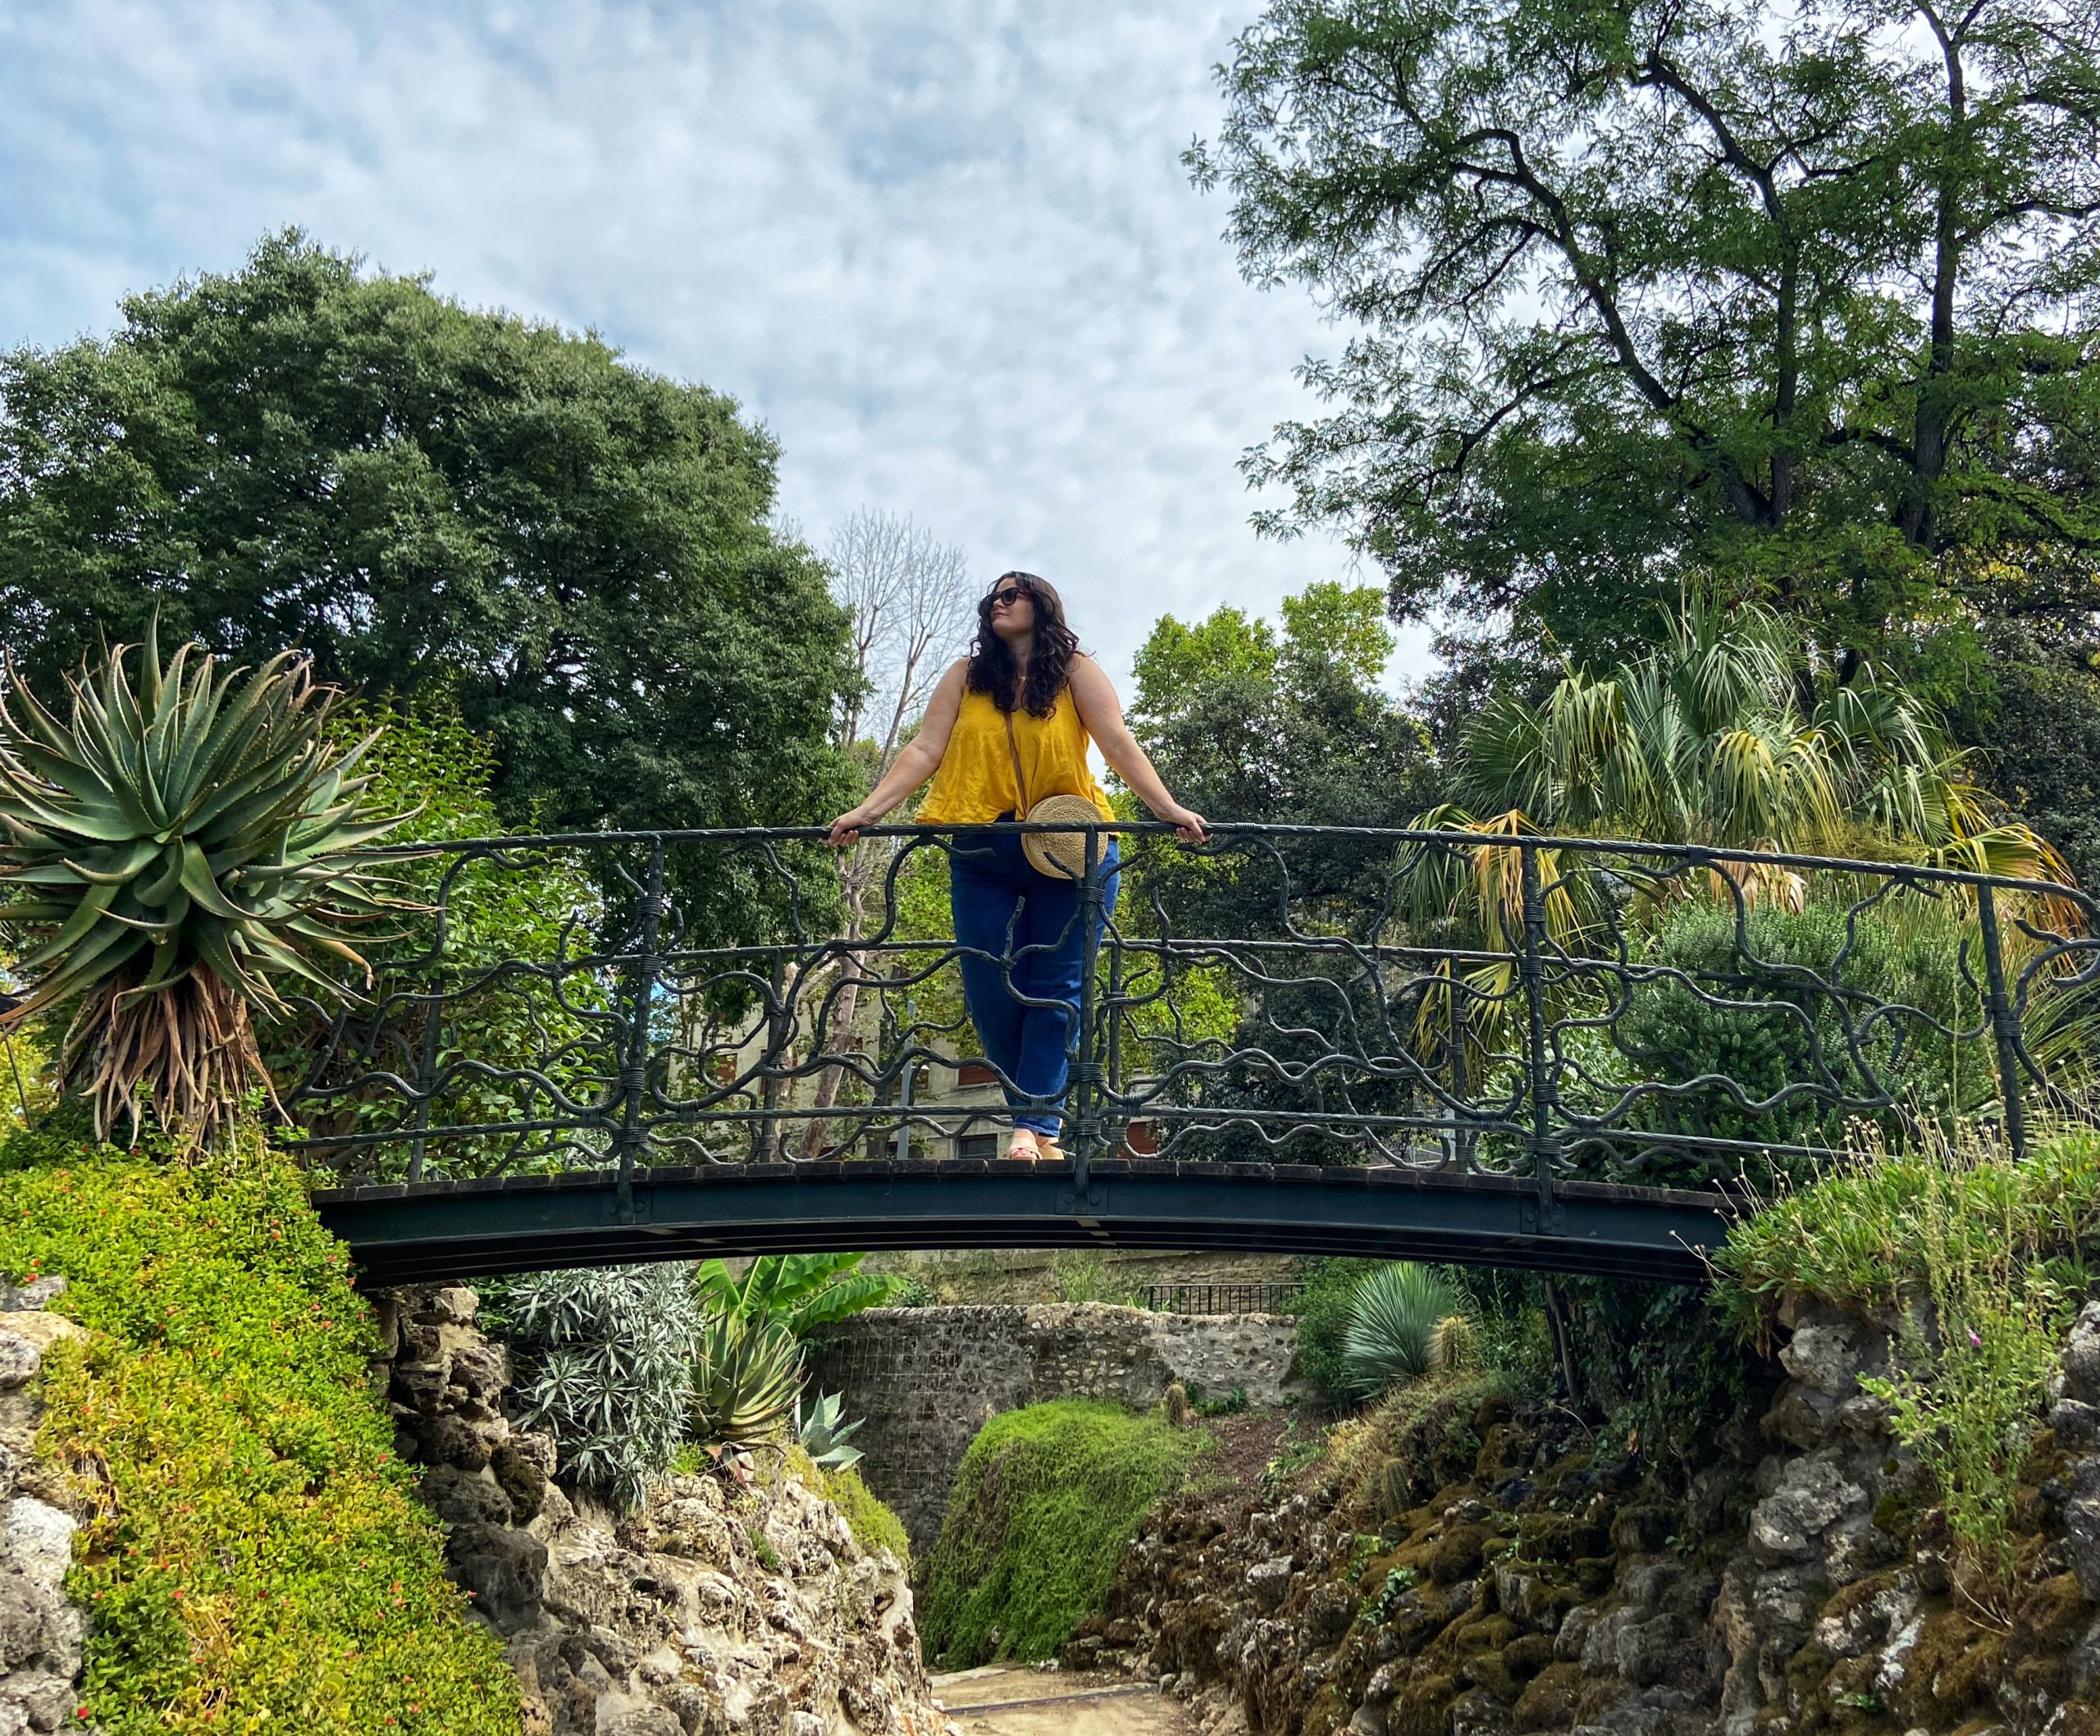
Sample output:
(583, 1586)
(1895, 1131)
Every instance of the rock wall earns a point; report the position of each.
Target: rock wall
(927, 1379)
(1800, 1582)
(731, 1605)
(41, 1633)
(989, 1276)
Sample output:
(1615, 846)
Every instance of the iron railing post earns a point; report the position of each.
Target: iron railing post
(2004, 1027)
(904, 1092)
(634, 1060)
(1085, 1080)
(1543, 1142)
(1112, 1011)
(779, 1028)
(426, 1074)
(1465, 1141)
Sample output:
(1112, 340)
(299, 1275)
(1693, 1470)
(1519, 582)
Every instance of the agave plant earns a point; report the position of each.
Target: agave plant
(747, 1372)
(170, 850)
(823, 1434)
(1397, 1328)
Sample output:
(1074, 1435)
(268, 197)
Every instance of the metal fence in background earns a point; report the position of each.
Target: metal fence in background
(1250, 1298)
(1550, 1007)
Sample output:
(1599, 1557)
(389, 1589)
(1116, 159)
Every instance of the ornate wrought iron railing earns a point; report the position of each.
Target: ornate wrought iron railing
(1546, 1007)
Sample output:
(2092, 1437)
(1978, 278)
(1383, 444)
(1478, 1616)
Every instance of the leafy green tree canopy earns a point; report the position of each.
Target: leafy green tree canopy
(424, 496)
(1808, 300)
(1250, 725)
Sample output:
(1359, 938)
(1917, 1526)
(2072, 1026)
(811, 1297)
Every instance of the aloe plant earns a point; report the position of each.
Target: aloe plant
(822, 1434)
(170, 850)
(748, 1371)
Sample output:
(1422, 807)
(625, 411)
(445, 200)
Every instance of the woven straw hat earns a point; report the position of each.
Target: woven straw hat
(1061, 855)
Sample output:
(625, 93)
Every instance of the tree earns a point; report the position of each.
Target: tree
(1645, 285)
(910, 601)
(305, 453)
(1705, 741)
(1247, 724)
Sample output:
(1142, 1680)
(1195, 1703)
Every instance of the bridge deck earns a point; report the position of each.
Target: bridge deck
(432, 1230)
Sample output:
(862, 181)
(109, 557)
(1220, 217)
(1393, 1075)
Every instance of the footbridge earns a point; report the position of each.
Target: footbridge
(1566, 1054)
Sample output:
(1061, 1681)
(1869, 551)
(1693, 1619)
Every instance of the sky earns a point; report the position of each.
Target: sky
(945, 251)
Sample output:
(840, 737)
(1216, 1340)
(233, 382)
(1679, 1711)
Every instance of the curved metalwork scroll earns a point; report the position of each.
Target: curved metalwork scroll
(1550, 1006)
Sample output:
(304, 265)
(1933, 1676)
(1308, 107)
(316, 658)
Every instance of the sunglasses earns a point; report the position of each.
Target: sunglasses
(1002, 599)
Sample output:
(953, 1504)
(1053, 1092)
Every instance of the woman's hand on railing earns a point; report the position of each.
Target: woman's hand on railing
(846, 828)
(1189, 826)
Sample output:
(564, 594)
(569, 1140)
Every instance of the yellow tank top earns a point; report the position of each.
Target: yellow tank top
(975, 783)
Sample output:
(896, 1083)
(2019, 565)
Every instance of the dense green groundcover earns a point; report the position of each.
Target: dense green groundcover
(258, 1561)
(1045, 1501)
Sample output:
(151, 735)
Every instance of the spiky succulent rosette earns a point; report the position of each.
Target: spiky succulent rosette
(172, 852)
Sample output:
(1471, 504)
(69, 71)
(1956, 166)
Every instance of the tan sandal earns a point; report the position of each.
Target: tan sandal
(1029, 1153)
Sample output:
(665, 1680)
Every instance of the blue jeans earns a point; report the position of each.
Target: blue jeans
(1023, 997)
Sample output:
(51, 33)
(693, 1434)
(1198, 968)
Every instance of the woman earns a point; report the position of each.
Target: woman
(1026, 693)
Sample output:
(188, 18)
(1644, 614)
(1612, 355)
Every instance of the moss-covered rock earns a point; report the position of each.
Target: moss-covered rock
(254, 1553)
(1045, 1502)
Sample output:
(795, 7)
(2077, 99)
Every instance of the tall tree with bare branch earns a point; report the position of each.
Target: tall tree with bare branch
(910, 598)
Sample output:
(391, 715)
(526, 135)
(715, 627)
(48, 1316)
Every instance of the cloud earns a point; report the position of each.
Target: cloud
(946, 251)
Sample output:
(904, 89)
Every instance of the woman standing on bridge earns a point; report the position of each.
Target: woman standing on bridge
(1009, 725)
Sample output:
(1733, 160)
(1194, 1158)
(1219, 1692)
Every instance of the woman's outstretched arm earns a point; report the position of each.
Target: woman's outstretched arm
(1102, 712)
(919, 760)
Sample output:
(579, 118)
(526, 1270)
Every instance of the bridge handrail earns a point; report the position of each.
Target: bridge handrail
(1339, 1009)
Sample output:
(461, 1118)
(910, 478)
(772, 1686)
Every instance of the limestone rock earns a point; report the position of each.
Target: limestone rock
(1812, 1494)
(2081, 1356)
(666, 1621)
(2081, 1543)
(37, 1296)
(41, 1632)
(1269, 1580)
(21, 1361)
(41, 1329)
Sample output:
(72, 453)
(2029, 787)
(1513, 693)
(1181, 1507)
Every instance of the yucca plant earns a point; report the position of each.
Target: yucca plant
(747, 1372)
(1396, 1328)
(822, 1433)
(176, 845)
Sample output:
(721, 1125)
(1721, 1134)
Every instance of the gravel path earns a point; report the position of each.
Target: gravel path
(1001, 1701)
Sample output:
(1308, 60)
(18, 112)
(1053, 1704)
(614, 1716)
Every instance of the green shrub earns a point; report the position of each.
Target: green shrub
(258, 1558)
(1875, 1231)
(874, 1527)
(1044, 1503)
(1326, 1285)
(1906, 952)
(604, 1358)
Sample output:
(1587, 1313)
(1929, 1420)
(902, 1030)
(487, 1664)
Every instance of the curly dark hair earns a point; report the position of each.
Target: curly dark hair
(1049, 659)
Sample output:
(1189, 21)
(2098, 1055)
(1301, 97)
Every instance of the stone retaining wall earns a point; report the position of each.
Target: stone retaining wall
(927, 1379)
(1544, 1582)
(735, 1602)
(41, 1632)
